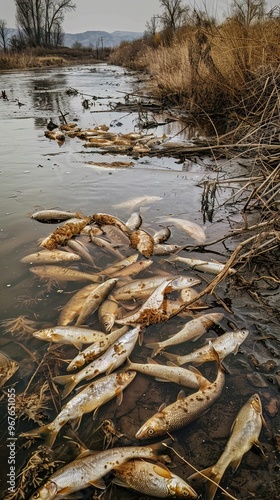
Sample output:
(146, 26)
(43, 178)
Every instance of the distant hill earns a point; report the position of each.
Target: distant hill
(100, 38)
(95, 39)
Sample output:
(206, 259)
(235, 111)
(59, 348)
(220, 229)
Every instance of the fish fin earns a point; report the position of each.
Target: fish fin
(76, 422)
(172, 357)
(69, 383)
(78, 345)
(260, 446)
(141, 338)
(45, 432)
(161, 379)
(98, 483)
(211, 485)
(119, 394)
(181, 395)
(156, 348)
(170, 363)
(118, 482)
(110, 368)
(95, 413)
(162, 471)
(202, 381)
(235, 463)
(152, 361)
(161, 407)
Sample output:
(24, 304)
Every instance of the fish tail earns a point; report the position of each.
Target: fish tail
(212, 486)
(161, 448)
(47, 432)
(69, 383)
(156, 348)
(172, 357)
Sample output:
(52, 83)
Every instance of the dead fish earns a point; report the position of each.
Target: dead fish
(188, 294)
(89, 469)
(94, 299)
(115, 235)
(103, 219)
(160, 249)
(151, 311)
(75, 304)
(106, 245)
(185, 410)
(134, 221)
(224, 345)
(94, 395)
(81, 249)
(133, 269)
(54, 216)
(62, 234)
(7, 368)
(168, 373)
(202, 265)
(244, 434)
(95, 349)
(191, 331)
(191, 228)
(74, 335)
(121, 264)
(134, 202)
(130, 291)
(50, 256)
(110, 360)
(64, 274)
(143, 242)
(152, 479)
(162, 235)
(107, 313)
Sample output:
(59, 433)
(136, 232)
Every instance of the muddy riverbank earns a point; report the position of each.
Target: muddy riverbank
(39, 173)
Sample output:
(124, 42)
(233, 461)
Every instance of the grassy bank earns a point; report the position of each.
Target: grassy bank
(41, 58)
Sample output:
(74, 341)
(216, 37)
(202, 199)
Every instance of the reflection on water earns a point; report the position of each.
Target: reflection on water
(37, 173)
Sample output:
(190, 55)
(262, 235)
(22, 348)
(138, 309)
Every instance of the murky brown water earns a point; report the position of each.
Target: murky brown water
(37, 173)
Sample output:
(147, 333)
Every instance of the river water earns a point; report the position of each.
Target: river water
(38, 173)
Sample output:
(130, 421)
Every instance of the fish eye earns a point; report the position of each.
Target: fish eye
(150, 432)
(36, 494)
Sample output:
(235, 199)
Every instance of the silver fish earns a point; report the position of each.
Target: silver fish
(110, 360)
(50, 256)
(152, 479)
(107, 313)
(224, 345)
(168, 373)
(185, 410)
(70, 335)
(89, 469)
(75, 304)
(134, 221)
(94, 299)
(191, 331)
(94, 395)
(54, 215)
(191, 228)
(95, 349)
(244, 434)
(64, 274)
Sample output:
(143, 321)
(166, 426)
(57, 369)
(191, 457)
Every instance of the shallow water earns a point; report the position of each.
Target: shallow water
(37, 173)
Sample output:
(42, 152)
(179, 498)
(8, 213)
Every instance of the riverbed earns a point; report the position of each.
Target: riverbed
(38, 173)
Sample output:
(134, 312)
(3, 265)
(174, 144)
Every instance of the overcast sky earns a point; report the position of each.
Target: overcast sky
(115, 15)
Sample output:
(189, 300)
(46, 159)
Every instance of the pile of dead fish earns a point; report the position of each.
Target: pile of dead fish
(101, 138)
(124, 306)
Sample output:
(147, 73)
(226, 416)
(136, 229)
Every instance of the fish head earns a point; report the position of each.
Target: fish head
(184, 282)
(47, 492)
(178, 488)
(240, 335)
(155, 426)
(124, 378)
(256, 403)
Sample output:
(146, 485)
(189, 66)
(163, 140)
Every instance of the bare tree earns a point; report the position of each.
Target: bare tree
(248, 11)
(41, 20)
(174, 14)
(151, 26)
(3, 35)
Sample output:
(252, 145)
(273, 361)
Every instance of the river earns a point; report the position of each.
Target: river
(38, 173)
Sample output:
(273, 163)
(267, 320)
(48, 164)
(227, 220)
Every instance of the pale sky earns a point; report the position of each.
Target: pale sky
(118, 15)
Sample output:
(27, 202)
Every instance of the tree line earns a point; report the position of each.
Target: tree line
(39, 24)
